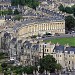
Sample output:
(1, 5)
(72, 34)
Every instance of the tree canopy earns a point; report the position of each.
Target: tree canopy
(69, 10)
(9, 12)
(73, 8)
(17, 17)
(3, 55)
(31, 3)
(61, 8)
(16, 12)
(48, 63)
(69, 22)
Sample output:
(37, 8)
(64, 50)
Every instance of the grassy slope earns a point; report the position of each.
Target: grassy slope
(63, 41)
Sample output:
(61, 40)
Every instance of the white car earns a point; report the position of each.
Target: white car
(38, 37)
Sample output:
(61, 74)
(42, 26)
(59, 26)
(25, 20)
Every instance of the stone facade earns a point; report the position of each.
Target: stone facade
(41, 28)
(65, 55)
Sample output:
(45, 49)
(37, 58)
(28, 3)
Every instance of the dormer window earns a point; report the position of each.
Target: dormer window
(45, 46)
(71, 52)
(66, 51)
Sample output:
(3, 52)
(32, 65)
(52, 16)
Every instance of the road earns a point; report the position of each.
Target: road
(53, 37)
(72, 73)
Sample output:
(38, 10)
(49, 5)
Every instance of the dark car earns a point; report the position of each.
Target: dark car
(56, 34)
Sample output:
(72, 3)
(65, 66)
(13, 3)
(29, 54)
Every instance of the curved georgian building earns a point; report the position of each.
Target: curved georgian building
(29, 28)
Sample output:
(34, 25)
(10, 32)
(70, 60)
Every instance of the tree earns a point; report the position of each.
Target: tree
(5, 12)
(33, 36)
(4, 68)
(16, 12)
(73, 8)
(2, 55)
(68, 10)
(29, 69)
(74, 14)
(31, 3)
(58, 67)
(61, 8)
(21, 69)
(69, 22)
(17, 69)
(47, 63)
(10, 11)
(18, 17)
(5, 73)
(0, 68)
(4, 65)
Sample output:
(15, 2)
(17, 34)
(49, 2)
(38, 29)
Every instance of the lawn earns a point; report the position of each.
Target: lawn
(63, 41)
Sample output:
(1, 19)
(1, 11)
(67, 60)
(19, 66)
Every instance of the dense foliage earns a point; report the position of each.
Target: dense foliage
(6, 12)
(16, 12)
(48, 63)
(3, 55)
(17, 17)
(9, 12)
(18, 70)
(61, 8)
(69, 22)
(69, 10)
(31, 3)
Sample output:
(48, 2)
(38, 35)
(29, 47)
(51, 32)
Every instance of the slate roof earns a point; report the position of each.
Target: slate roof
(19, 41)
(5, 0)
(70, 49)
(38, 20)
(35, 47)
(59, 48)
(27, 44)
(7, 35)
(8, 17)
(14, 39)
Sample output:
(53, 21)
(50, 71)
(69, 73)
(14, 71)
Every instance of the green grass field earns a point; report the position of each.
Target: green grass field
(63, 41)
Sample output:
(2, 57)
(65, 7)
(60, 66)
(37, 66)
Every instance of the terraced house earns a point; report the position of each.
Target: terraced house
(65, 55)
(39, 26)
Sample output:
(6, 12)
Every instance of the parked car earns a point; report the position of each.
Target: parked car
(56, 34)
(48, 34)
(38, 37)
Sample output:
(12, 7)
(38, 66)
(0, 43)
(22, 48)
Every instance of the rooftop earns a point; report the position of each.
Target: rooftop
(36, 21)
